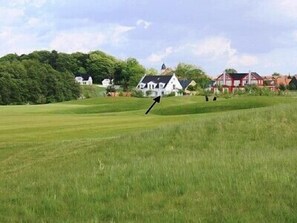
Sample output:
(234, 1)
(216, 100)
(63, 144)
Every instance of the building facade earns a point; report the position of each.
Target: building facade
(230, 82)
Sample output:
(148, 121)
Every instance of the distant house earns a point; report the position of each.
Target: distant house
(107, 82)
(232, 81)
(159, 85)
(274, 82)
(186, 84)
(84, 81)
(282, 80)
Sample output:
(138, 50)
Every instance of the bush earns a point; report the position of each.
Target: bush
(148, 93)
(137, 94)
(172, 94)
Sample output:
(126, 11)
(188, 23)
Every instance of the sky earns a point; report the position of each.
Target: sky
(247, 35)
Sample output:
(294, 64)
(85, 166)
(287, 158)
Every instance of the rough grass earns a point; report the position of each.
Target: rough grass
(92, 91)
(235, 166)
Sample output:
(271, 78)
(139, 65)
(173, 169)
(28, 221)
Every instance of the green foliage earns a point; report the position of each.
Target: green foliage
(137, 93)
(110, 88)
(47, 79)
(258, 91)
(151, 71)
(91, 91)
(172, 94)
(100, 66)
(192, 87)
(230, 70)
(282, 87)
(131, 73)
(192, 72)
(29, 81)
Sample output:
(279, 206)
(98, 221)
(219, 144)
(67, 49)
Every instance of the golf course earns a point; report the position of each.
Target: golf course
(103, 160)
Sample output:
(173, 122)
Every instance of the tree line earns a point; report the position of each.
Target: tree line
(48, 76)
(29, 81)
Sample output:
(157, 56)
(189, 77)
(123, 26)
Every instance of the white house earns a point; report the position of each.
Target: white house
(159, 85)
(107, 82)
(82, 81)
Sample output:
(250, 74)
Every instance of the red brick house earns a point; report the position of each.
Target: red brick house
(233, 81)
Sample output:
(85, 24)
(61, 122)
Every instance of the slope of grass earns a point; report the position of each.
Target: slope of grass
(92, 91)
(236, 103)
(235, 166)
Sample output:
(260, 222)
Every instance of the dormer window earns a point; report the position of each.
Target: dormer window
(151, 86)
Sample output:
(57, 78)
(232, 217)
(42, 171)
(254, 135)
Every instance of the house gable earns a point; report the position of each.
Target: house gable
(159, 84)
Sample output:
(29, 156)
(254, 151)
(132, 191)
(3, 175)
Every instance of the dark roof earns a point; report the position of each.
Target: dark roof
(239, 76)
(257, 75)
(84, 76)
(293, 81)
(156, 79)
(184, 83)
(163, 67)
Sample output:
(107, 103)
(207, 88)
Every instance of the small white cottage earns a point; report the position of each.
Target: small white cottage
(82, 81)
(107, 82)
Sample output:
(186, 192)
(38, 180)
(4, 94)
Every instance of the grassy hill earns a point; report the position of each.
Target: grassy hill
(103, 160)
(92, 91)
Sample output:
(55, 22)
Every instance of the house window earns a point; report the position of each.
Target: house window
(174, 86)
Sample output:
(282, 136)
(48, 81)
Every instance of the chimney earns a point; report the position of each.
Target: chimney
(224, 78)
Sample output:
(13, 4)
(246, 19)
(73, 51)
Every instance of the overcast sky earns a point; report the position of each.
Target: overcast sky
(256, 35)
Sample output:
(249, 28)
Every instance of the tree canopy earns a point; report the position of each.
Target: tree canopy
(48, 76)
(230, 70)
(29, 81)
(192, 72)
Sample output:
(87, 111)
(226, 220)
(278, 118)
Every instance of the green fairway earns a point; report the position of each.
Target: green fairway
(104, 160)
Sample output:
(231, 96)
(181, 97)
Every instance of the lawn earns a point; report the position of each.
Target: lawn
(103, 160)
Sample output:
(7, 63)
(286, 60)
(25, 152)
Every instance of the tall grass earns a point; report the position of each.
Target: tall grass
(235, 166)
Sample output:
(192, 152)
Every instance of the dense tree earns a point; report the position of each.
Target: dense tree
(131, 73)
(65, 62)
(10, 58)
(151, 71)
(192, 72)
(29, 81)
(100, 66)
(230, 70)
(48, 76)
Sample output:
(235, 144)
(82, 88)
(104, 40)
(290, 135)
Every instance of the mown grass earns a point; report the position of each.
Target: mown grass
(235, 166)
(221, 105)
